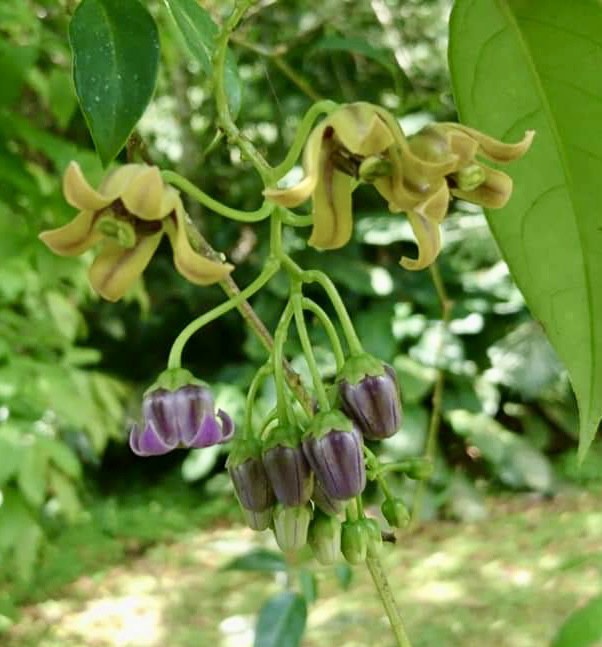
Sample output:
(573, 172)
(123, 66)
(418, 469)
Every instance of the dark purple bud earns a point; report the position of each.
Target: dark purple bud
(184, 417)
(334, 449)
(369, 395)
(287, 468)
(249, 476)
(326, 503)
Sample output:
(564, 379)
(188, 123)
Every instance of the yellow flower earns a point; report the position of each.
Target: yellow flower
(416, 175)
(128, 214)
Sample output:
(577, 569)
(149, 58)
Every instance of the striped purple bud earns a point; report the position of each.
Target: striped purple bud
(287, 468)
(369, 395)
(334, 449)
(249, 477)
(184, 417)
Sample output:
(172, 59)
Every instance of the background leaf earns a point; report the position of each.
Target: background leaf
(199, 31)
(583, 628)
(535, 65)
(266, 561)
(115, 46)
(281, 621)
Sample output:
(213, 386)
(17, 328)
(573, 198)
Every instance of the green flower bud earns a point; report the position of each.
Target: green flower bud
(419, 469)
(375, 538)
(257, 520)
(290, 526)
(354, 541)
(395, 512)
(324, 537)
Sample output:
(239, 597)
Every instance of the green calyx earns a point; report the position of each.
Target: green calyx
(355, 537)
(374, 536)
(395, 512)
(373, 168)
(283, 436)
(325, 421)
(173, 379)
(243, 449)
(358, 367)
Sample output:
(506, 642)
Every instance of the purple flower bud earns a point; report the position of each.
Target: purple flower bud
(334, 449)
(249, 476)
(184, 417)
(369, 395)
(326, 503)
(287, 468)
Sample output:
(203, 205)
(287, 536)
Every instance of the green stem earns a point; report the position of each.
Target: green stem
(437, 399)
(328, 326)
(256, 383)
(200, 196)
(308, 351)
(278, 357)
(175, 356)
(295, 220)
(388, 600)
(221, 97)
(319, 108)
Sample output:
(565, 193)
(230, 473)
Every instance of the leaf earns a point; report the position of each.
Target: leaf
(115, 46)
(308, 584)
(583, 628)
(262, 560)
(64, 490)
(520, 65)
(281, 621)
(32, 474)
(199, 32)
(344, 574)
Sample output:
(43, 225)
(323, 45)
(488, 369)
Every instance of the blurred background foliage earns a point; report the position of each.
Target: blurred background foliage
(72, 368)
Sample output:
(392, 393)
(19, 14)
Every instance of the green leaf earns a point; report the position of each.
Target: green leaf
(199, 32)
(308, 583)
(583, 628)
(32, 474)
(115, 46)
(344, 574)
(281, 621)
(262, 560)
(520, 65)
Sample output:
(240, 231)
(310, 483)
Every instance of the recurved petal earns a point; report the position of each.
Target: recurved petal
(493, 193)
(143, 195)
(116, 182)
(360, 129)
(116, 268)
(196, 268)
(332, 216)
(73, 238)
(493, 148)
(147, 442)
(428, 240)
(436, 205)
(295, 195)
(79, 193)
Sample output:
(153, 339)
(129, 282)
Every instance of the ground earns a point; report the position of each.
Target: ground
(508, 581)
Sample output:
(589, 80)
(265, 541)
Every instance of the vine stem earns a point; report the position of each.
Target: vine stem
(388, 600)
(437, 399)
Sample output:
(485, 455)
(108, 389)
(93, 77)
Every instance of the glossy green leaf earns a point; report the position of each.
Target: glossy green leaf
(281, 621)
(199, 32)
(115, 46)
(262, 560)
(519, 65)
(583, 628)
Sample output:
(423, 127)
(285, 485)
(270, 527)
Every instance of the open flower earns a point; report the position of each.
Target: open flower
(128, 214)
(184, 417)
(416, 175)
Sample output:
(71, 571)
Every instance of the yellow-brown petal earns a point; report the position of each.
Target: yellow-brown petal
(295, 195)
(360, 129)
(117, 181)
(116, 268)
(428, 239)
(196, 268)
(79, 193)
(143, 194)
(436, 205)
(494, 193)
(74, 238)
(332, 214)
(494, 149)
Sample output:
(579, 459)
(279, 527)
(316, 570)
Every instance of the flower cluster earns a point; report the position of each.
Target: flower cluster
(298, 481)
(128, 215)
(416, 175)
